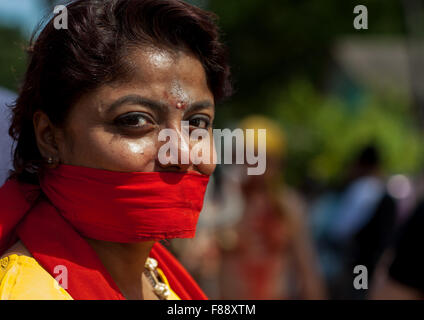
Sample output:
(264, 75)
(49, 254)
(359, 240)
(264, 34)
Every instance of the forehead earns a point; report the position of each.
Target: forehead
(169, 77)
(169, 73)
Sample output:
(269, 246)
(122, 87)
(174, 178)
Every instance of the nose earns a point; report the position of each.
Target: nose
(174, 149)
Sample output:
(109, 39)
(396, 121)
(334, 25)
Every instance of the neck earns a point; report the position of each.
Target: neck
(125, 263)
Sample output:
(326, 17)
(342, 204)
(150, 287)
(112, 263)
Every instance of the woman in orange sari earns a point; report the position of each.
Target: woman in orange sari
(90, 198)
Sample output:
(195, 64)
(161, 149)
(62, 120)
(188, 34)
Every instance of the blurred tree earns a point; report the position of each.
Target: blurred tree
(273, 41)
(324, 134)
(12, 58)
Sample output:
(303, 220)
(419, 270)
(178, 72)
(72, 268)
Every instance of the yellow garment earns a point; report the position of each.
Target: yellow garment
(22, 278)
(173, 295)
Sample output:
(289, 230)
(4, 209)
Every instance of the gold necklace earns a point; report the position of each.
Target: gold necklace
(159, 288)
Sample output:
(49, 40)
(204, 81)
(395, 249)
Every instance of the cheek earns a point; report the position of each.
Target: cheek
(102, 150)
(136, 154)
(139, 147)
(207, 169)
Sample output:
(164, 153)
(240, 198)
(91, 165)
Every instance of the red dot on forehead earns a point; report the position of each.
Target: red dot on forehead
(181, 105)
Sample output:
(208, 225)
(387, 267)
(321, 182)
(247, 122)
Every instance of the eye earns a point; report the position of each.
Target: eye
(201, 122)
(133, 120)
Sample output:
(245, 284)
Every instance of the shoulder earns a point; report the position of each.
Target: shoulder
(22, 278)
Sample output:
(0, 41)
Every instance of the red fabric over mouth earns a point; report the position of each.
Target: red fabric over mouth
(103, 205)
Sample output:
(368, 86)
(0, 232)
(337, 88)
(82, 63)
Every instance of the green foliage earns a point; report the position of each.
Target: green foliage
(325, 134)
(12, 58)
(274, 41)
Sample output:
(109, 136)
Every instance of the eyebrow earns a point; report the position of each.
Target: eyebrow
(136, 99)
(162, 107)
(205, 104)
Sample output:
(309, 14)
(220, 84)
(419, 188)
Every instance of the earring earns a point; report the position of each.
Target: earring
(52, 162)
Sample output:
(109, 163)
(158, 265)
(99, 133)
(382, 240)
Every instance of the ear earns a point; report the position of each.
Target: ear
(45, 134)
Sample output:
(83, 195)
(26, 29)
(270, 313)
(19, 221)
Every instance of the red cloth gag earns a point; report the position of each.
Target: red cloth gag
(49, 233)
(126, 206)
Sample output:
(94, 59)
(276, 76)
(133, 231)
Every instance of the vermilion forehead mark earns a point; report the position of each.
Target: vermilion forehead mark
(181, 105)
(176, 96)
(179, 94)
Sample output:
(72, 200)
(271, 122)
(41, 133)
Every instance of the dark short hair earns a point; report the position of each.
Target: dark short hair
(65, 64)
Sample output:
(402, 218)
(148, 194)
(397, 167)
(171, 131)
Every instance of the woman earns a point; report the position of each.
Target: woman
(90, 198)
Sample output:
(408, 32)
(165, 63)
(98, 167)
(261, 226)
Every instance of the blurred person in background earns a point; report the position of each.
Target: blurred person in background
(266, 252)
(358, 226)
(404, 277)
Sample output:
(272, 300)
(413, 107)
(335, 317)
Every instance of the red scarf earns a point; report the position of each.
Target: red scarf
(126, 206)
(111, 206)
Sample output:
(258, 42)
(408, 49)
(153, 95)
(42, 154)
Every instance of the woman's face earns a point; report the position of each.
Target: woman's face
(116, 127)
